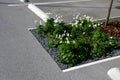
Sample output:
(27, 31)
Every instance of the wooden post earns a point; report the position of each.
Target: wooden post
(108, 13)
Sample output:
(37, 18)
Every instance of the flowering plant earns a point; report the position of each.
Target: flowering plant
(78, 41)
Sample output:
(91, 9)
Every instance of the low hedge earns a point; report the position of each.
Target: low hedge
(78, 41)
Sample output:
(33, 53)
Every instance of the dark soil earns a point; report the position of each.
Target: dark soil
(112, 28)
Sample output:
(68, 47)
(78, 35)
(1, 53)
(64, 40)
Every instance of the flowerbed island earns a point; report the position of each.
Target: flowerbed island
(82, 41)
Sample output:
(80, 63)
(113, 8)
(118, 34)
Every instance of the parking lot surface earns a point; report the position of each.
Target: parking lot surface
(23, 58)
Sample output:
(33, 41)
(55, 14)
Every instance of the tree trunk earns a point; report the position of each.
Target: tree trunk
(108, 13)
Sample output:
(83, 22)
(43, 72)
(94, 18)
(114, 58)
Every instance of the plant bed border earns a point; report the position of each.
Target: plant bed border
(51, 51)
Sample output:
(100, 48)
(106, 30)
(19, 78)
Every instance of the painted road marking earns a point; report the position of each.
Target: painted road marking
(48, 3)
(114, 73)
(90, 64)
(110, 17)
(38, 12)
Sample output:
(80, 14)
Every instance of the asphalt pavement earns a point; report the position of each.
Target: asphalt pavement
(23, 58)
(94, 8)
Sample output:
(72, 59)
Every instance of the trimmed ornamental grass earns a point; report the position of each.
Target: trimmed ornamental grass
(76, 43)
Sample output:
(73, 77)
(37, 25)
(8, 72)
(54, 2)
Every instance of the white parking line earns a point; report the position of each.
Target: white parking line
(90, 64)
(110, 18)
(38, 12)
(60, 2)
(48, 3)
(114, 73)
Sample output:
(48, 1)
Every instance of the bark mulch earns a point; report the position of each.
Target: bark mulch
(112, 28)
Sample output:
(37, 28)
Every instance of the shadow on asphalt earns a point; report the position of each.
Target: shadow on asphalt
(117, 7)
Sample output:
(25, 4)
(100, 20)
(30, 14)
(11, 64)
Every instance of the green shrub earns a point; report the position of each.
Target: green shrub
(49, 26)
(40, 29)
(78, 41)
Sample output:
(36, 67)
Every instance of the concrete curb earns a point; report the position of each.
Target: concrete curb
(31, 28)
(38, 12)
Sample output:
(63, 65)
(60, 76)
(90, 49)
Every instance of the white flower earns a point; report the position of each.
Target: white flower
(72, 24)
(59, 36)
(91, 19)
(74, 42)
(64, 31)
(56, 20)
(98, 24)
(89, 25)
(55, 24)
(60, 42)
(77, 16)
(111, 37)
(110, 43)
(68, 42)
(80, 24)
(48, 13)
(76, 22)
(76, 26)
(56, 35)
(66, 38)
(94, 26)
(84, 16)
(63, 34)
(68, 34)
(83, 32)
(88, 18)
